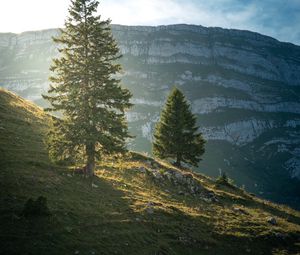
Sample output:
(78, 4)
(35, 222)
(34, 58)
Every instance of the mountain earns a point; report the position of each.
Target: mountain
(243, 86)
(133, 205)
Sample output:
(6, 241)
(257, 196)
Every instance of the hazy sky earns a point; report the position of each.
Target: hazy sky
(277, 18)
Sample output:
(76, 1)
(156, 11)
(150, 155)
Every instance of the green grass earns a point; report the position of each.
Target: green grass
(107, 214)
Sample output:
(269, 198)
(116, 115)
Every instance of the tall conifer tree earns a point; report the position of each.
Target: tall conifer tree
(176, 135)
(85, 90)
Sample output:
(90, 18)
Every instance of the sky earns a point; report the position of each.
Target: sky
(277, 18)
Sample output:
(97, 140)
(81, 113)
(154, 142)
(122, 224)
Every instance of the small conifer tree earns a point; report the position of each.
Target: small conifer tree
(176, 134)
(85, 90)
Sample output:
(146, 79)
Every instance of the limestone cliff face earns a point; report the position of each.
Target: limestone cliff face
(241, 51)
(245, 88)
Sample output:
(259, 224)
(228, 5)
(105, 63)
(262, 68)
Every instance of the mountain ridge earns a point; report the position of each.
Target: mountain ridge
(183, 25)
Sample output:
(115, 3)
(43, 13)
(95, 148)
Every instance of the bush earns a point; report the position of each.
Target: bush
(162, 171)
(36, 208)
(224, 179)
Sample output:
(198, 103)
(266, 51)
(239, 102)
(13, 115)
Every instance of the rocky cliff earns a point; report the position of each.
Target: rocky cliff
(245, 88)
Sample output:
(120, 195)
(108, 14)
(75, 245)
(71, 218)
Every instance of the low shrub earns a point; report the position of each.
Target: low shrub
(36, 207)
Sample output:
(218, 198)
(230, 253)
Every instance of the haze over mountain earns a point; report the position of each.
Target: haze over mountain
(244, 87)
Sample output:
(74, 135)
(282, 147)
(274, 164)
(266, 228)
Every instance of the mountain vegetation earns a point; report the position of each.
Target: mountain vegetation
(176, 135)
(85, 91)
(133, 205)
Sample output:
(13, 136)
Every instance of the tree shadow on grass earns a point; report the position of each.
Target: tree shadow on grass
(178, 233)
(82, 210)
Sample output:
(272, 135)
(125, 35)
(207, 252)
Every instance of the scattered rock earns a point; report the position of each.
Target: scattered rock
(184, 180)
(94, 185)
(186, 240)
(168, 175)
(207, 200)
(142, 170)
(153, 204)
(240, 210)
(157, 175)
(193, 189)
(212, 196)
(208, 196)
(150, 207)
(150, 204)
(280, 235)
(178, 176)
(180, 192)
(272, 220)
(150, 210)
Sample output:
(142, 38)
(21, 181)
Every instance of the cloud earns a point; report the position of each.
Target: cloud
(19, 15)
(276, 18)
(145, 12)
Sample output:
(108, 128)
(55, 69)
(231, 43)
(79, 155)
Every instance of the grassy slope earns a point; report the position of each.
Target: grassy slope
(113, 218)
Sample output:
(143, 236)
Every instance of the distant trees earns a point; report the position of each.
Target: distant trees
(176, 135)
(84, 88)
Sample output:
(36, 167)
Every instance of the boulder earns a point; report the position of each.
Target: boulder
(168, 175)
(142, 170)
(157, 175)
(272, 220)
(178, 176)
(149, 204)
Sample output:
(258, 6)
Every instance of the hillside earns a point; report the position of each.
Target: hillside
(243, 86)
(134, 204)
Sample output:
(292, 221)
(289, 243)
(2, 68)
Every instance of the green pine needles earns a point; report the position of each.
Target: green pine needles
(176, 135)
(86, 91)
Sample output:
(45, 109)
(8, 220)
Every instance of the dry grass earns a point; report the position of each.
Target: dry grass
(123, 210)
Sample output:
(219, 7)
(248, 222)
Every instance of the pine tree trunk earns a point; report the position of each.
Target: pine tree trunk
(90, 164)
